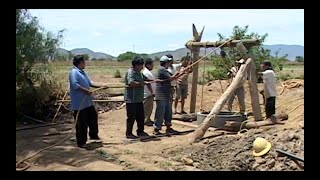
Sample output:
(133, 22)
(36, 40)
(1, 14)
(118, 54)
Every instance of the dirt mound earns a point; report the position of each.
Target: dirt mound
(105, 106)
(234, 153)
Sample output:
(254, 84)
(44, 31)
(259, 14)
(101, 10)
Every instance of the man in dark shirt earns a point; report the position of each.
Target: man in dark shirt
(163, 97)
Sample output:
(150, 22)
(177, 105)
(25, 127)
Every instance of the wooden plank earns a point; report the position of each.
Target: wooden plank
(247, 42)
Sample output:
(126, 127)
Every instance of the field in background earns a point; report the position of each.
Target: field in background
(104, 71)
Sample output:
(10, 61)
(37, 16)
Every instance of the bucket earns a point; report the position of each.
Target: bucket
(221, 119)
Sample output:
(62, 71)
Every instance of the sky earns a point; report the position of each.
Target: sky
(116, 31)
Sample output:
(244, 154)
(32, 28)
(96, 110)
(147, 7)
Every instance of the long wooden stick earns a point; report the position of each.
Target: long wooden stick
(102, 100)
(203, 127)
(59, 107)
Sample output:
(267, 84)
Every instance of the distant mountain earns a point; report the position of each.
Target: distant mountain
(92, 54)
(291, 50)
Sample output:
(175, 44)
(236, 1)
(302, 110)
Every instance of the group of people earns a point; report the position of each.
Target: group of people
(143, 88)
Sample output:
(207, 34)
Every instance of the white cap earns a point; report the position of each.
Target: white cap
(165, 59)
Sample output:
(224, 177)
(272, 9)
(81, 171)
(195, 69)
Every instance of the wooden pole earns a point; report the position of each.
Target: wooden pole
(101, 101)
(203, 127)
(252, 85)
(196, 50)
(247, 42)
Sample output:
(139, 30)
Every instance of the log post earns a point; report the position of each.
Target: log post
(203, 127)
(247, 42)
(252, 84)
(195, 50)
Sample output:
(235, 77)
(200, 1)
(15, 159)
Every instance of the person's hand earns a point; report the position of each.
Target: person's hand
(259, 73)
(88, 93)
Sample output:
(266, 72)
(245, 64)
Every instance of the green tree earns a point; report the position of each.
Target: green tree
(259, 53)
(86, 56)
(299, 59)
(128, 56)
(33, 46)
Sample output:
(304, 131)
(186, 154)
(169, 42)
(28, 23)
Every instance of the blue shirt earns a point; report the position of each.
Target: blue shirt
(79, 78)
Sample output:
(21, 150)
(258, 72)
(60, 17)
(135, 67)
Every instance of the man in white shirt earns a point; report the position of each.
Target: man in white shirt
(173, 68)
(239, 92)
(149, 92)
(270, 85)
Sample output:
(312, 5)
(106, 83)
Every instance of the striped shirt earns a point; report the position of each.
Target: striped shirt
(163, 91)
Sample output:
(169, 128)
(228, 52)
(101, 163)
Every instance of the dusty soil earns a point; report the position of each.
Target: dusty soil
(227, 152)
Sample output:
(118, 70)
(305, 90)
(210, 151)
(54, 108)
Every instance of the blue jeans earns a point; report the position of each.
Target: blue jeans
(163, 111)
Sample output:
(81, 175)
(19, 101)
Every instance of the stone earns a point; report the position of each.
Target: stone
(187, 161)
(271, 163)
(260, 160)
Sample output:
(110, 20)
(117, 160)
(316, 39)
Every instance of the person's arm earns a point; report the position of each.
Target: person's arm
(74, 84)
(146, 78)
(132, 82)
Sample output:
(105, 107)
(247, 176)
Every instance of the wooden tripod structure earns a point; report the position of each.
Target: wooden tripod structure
(249, 67)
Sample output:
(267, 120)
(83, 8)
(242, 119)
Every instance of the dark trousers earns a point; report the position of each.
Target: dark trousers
(135, 111)
(88, 117)
(270, 106)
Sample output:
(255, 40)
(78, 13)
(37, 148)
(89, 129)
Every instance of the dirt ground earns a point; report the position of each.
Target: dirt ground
(116, 153)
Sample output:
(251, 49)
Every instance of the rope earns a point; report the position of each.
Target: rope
(246, 130)
(48, 147)
(295, 108)
(204, 67)
(291, 83)
(194, 63)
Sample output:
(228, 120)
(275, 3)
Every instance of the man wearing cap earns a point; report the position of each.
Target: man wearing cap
(149, 92)
(173, 68)
(163, 97)
(239, 92)
(270, 87)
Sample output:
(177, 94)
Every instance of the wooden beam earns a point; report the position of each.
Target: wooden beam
(253, 88)
(101, 101)
(196, 38)
(197, 44)
(203, 127)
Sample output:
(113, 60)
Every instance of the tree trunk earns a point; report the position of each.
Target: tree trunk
(200, 131)
(247, 42)
(196, 38)
(254, 93)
